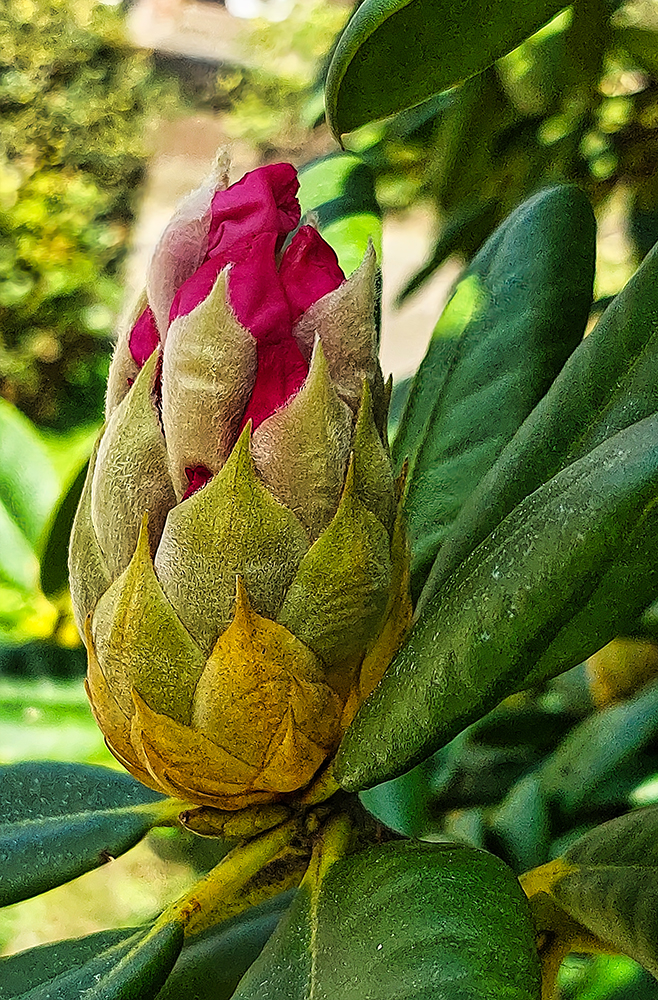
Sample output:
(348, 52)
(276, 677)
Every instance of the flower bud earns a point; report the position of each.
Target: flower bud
(238, 562)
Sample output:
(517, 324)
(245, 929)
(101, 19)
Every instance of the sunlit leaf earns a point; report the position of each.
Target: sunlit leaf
(564, 573)
(396, 53)
(402, 921)
(60, 820)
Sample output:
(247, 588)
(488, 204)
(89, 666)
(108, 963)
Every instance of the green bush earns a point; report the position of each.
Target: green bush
(74, 99)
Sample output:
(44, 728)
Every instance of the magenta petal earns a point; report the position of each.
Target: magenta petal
(144, 337)
(309, 269)
(197, 477)
(197, 287)
(281, 373)
(255, 290)
(262, 201)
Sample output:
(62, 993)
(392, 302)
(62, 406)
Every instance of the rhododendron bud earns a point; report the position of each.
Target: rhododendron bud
(238, 561)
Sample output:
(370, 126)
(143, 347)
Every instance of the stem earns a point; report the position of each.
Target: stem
(220, 893)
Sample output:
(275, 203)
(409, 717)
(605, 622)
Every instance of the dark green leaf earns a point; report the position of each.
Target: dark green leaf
(55, 546)
(399, 397)
(34, 967)
(209, 966)
(60, 820)
(339, 191)
(402, 921)
(521, 824)
(596, 749)
(610, 884)
(396, 53)
(514, 319)
(608, 383)
(405, 804)
(134, 968)
(564, 572)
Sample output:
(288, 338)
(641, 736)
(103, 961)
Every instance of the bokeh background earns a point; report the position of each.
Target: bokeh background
(110, 114)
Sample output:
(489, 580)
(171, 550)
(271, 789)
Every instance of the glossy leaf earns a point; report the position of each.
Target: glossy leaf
(131, 969)
(396, 53)
(208, 967)
(211, 965)
(25, 970)
(60, 820)
(512, 322)
(54, 554)
(339, 192)
(405, 804)
(566, 570)
(607, 384)
(402, 920)
(608, 880)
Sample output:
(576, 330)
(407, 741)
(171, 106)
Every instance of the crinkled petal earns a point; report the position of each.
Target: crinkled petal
(264, 200)
(144, 337)
(281, 374)
(309, 269)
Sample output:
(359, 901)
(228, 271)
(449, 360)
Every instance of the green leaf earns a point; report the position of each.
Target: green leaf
(55, 546)
(607, 384)
(28, 489)
(209, 966)
(25, 970)
(609, 882)
(399, 397)
(405, 804)
(396, 53)
(521, 824)
(597, 748)
(566, 570)
(339, 190)
(400, 921)
(132, 969)
(28, 483)
(61, 820)
(512, 322)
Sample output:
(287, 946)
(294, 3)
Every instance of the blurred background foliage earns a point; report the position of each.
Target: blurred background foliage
(578, 101)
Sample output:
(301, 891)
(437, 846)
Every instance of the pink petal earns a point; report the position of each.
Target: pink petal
(197, 477)
(196, 288)
(144, 337)
(281, 373)
(262, 201)
(256, 292)
(309, 269)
